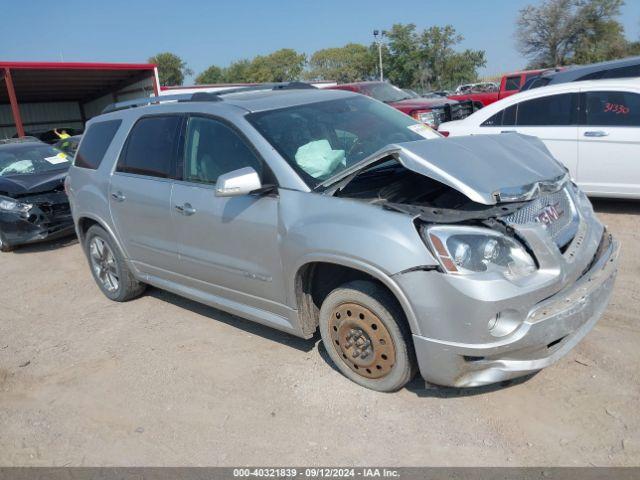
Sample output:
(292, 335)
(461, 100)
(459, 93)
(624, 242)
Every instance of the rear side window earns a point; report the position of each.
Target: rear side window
(506, 117)
(512, 83)
(494, 120)
(615, 109)
(151, 148)
(553, 110)
(95, 142)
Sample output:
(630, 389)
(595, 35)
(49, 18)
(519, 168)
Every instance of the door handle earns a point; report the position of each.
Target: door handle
(596, 133)
(118, 196)
(186, 209)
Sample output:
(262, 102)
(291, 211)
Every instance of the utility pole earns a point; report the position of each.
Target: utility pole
(381, 34)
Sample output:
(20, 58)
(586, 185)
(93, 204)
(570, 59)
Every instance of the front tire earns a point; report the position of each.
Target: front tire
(108, 267)
(366, 335)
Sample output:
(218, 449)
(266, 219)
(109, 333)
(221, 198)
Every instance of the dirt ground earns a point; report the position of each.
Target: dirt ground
(166, 381)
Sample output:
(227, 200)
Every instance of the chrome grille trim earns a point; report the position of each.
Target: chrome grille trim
(561, 230)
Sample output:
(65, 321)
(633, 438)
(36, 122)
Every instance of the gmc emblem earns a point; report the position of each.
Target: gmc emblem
(549, 214)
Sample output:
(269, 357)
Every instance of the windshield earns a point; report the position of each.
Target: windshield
(319, 140)
(384, 92)
(30, 158)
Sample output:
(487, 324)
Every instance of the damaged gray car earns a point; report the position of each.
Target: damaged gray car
(33, 205)
(473, 260)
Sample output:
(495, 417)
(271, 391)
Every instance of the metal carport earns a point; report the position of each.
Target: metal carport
(41, 95)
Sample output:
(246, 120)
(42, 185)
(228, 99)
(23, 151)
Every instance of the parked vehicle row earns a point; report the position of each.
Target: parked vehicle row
(592, 127)
(431, 110)
(305, 209)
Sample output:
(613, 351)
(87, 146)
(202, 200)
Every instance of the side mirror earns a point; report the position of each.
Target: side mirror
(238, 182)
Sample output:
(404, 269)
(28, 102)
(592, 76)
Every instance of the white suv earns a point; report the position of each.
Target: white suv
(593, 127)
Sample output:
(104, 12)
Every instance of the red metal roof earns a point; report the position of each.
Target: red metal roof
(70, 81)
(77, 66)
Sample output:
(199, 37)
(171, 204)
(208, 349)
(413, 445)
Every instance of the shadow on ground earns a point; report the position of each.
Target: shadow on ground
(608, 205)
(47, 245)
(237, 322)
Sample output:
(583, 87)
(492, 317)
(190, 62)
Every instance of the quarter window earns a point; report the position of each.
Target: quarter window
(616, 109)
(553, 110)
(151, 147)
(494, 120)
(506, 117)
(95, 143)
(512, 83)
(213, 149)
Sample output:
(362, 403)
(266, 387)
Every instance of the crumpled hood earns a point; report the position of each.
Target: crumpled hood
(488, 169)
(20, 185)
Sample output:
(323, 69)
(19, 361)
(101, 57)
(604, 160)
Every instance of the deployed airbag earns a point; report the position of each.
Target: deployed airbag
(318, 159)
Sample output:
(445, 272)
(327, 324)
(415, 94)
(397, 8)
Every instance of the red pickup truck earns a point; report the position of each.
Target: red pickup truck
(431, 110)
(510, 84)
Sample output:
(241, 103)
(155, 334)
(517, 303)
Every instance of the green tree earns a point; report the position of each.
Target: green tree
(280, 66)
(351, 63)
(171, 68)
(560, 32)
(213, 74)
(401, 57)
(428, 59)
(237, 72)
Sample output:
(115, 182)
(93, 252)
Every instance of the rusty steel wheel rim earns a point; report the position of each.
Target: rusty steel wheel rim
(362, 341)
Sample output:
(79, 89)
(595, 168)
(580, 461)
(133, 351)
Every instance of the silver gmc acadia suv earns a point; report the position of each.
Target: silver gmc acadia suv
(472, 259)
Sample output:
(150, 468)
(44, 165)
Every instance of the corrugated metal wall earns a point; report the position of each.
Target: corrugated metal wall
(143, 88)
(45, 116)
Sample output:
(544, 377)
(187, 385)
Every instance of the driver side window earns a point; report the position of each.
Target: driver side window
(213, 149)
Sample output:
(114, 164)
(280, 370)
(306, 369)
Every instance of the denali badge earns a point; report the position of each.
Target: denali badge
(549, 214)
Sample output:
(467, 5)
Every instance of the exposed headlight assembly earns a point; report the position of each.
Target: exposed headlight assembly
(473, 250)
(13, 206)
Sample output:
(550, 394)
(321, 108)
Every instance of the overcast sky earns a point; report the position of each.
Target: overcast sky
(219, 32)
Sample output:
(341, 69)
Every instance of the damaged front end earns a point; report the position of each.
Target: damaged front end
(525, 269)
(29, 218)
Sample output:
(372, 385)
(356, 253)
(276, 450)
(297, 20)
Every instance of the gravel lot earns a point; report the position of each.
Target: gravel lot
(166, 381)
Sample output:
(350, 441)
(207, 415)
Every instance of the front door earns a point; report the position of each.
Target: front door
(140, 193)
(226, 245)
(609, 143)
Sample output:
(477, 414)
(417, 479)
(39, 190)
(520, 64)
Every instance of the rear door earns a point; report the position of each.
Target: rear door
(227, 246)
(140, 193)
(554, 120)
(609, 143)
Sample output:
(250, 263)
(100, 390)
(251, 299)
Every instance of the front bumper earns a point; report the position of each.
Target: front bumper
(49, 218)
(551, 328)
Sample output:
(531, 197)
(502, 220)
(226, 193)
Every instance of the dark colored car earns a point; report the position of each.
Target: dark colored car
(33, 204)
(624, 68)
(50, 136)
(68, 145)
(431, 111)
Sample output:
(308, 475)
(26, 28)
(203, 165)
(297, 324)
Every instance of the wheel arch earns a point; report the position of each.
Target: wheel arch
(317, 276)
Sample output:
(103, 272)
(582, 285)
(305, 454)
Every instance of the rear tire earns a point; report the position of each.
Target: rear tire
(365, 333)
(108, 267)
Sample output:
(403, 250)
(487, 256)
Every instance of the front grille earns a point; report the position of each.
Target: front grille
(544, 209)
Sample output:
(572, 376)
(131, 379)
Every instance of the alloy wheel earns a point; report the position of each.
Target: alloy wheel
(104, 264)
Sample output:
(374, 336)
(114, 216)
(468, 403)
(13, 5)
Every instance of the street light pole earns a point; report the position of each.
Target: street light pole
(379, 42)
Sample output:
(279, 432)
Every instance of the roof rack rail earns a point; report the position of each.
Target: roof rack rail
(205, 96)
(182, 97)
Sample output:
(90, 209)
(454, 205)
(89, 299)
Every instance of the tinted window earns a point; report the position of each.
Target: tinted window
(554, 110)
(493, 120)
(151, 147)
(613, 109)
(213, 149)
(512, 83)
(95, 143)
(620, 72)
(509, 116)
